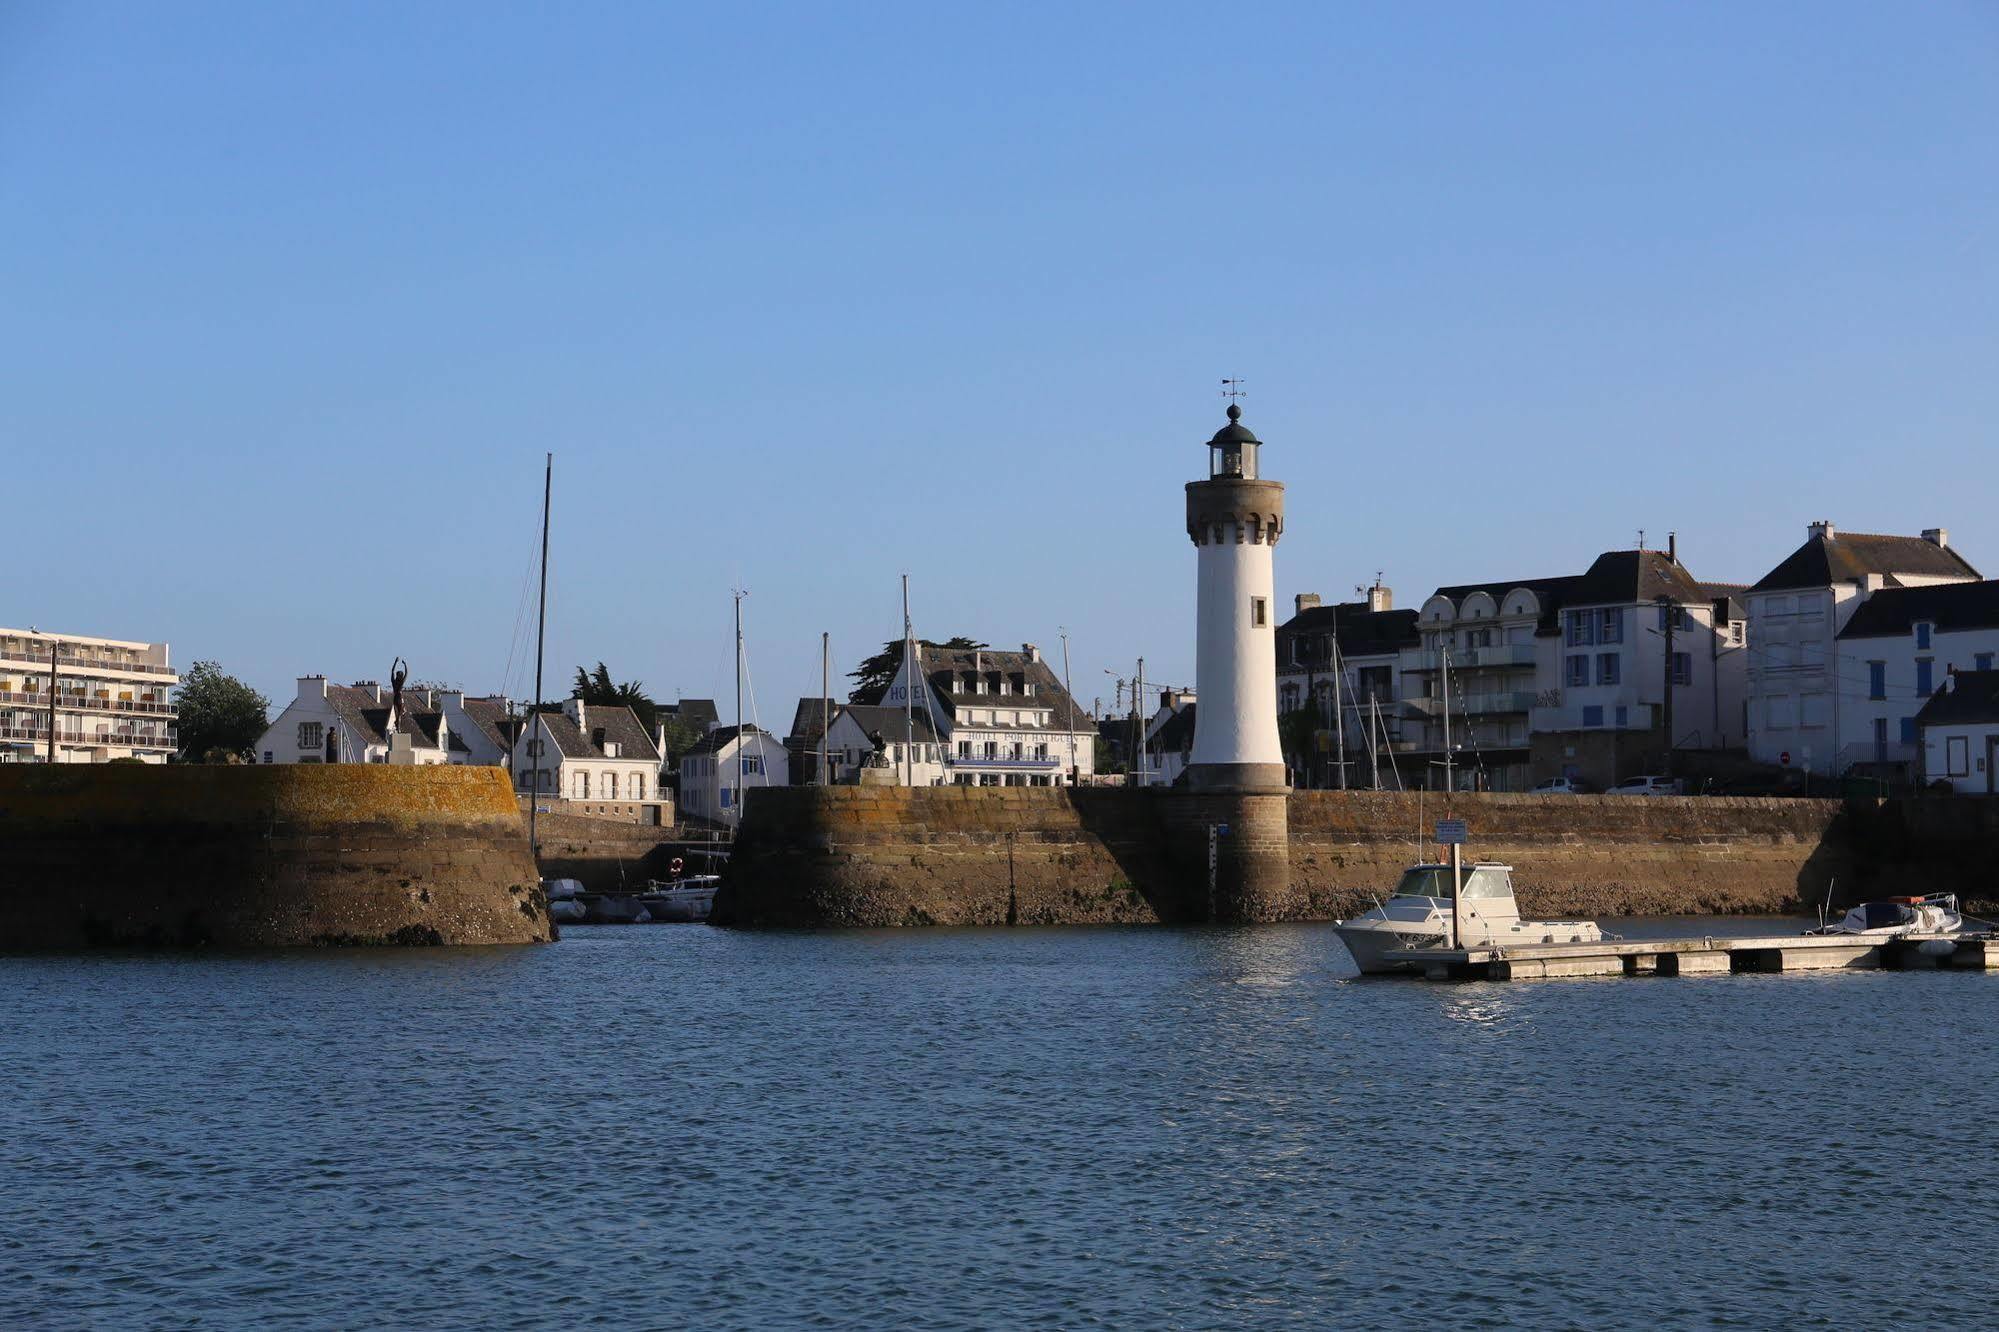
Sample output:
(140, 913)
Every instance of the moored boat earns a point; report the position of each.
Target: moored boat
(1418, 915)
(1893, 917)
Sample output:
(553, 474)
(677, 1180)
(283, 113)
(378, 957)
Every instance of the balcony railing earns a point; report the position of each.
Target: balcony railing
(115, 739)
(1474, 704)
(989, 761)
(79, 702)
(41, 659)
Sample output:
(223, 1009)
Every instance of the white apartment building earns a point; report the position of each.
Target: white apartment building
(112, 698)
(1540, 677)
(1898, 650)
(1796, 612)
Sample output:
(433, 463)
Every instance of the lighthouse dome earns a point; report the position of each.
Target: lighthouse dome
(1232, 451)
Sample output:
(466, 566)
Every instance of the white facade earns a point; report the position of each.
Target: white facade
(1235, 518)
(1796, 682)
(330, 723)
(587, 752)
(1895, 654)
(1002, 716)
(1963, 756)
(112, 698)
(715, 774)
(850, 744)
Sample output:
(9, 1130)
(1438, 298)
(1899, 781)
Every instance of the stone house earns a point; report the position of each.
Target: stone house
(587, 752)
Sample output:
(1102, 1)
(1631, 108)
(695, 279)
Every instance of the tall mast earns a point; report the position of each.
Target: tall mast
(540, 639)
(736, 766)
(908, 692)
(1448, 786)
(1072, 704)
(825, 702)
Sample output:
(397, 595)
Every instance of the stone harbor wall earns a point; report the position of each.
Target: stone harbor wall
(1578, 855)
(263, 856)
(865, 856)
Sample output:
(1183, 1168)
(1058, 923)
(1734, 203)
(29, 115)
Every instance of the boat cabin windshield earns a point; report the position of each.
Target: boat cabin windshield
(1485, 881)
(1884, 915)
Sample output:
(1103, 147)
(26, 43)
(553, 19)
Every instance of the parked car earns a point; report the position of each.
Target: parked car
(1560, 786)
(1646, 786)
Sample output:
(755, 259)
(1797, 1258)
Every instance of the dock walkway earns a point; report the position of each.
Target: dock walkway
(1707, 955)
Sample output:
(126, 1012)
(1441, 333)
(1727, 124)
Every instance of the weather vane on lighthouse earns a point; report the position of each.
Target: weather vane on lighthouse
(1232, 388)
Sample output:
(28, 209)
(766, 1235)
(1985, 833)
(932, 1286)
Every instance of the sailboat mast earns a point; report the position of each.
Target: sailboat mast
(825, 702)
(908, 691)
(1448, 784)
(736, 766)
(540, 640)
(1069, 689)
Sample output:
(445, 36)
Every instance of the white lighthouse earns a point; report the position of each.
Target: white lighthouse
(1235, 518)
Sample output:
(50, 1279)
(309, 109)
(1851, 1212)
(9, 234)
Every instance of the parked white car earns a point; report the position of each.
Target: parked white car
(1559, 786)
(1646, 786)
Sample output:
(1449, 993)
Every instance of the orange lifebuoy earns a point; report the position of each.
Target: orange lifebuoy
(675, 865)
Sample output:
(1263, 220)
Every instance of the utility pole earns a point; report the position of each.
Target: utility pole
(1667, 615)
(1138, 722)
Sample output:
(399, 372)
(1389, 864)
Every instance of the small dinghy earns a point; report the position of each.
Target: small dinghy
(1935, 914)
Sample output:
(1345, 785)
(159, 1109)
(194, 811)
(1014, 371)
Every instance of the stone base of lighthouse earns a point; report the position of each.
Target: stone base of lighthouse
(1252, 878)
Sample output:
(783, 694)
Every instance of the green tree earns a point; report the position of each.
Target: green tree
(872, 678)
(597, 688)
(220, 716)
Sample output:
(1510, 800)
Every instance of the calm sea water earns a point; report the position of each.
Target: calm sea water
(1148, 1128)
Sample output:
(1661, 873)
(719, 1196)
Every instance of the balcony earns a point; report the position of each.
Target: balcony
(41, 660)
(1475, 705)
(1503, 654)
(91, 739)
(983, 761)
(80, 703)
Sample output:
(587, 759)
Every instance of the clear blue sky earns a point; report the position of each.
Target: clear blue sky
(293, 297)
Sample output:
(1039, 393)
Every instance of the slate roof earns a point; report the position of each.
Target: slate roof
(945, 668)
(1360, 631)
(699, 712)
(805, 720)
(1627, 577)
(713, 742)
(619, 724)
(1972, 696)
(1893, 611)
(1846, 557)
(889, 721)
(1177, 733)
(490, 715)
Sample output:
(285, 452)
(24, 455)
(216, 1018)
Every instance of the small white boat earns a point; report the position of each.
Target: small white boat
(687, 900)
(1897, 916)
(1418, 915)
(562, 890)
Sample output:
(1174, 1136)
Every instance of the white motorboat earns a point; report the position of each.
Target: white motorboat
(686, 900)
(1897, 916)
(1418, 915)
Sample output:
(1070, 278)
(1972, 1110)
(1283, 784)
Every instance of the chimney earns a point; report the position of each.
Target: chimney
(1937, 536)
(1822, 528)
(1033, 652)
(311, 686)
(1673, 547)
(1380, 598)
(573, 709)
(1306, 601)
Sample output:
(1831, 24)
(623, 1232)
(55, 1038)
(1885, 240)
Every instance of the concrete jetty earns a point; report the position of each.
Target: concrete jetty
(1708, 955)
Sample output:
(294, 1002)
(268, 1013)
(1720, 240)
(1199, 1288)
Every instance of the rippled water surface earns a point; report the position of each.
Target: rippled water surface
(684, 1127)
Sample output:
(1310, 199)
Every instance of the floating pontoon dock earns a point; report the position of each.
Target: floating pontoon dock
(1704, 956)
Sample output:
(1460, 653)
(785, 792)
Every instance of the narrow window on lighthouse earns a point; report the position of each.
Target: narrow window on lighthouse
(1259, 612)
